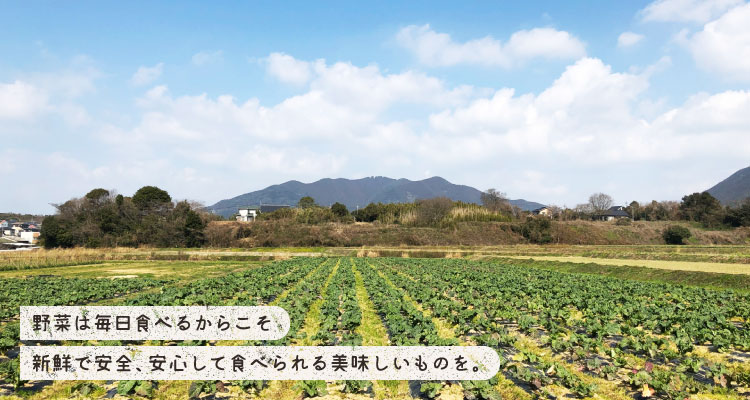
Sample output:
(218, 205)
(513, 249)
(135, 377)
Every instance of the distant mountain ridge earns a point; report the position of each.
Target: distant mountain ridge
(357, 192)
(734, 189)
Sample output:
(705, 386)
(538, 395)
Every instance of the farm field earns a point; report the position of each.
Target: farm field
(562, 332)
(720, 268)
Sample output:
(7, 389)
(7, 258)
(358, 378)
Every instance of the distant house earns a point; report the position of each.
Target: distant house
(613, 213)
(4, 224)
(30, 236)
(249, 213)
(542, 211)
(18, 227)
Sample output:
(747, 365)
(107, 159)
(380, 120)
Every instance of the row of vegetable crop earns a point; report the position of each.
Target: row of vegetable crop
(340, 316)
(406, 325)
(57, 291)
(299, 297)
(469, 323)
(340, 313)
(474, 390)
(488, 289)
(251, 287)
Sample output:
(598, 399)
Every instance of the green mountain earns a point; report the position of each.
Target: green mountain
(734, 189)
(357, 193)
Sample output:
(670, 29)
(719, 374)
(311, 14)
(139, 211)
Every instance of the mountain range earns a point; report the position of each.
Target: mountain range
(357, 193)
(734, 189)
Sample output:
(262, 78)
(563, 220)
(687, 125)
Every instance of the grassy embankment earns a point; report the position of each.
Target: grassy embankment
(291, 234)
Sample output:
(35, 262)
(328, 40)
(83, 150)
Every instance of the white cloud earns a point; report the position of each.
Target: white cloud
(287, 69)
(146, 75)
(699, 11)
(439, 49)
(723, 46)
(353, 121)
(627, 39)
(21, 101)
(202, 58)
(590, 115)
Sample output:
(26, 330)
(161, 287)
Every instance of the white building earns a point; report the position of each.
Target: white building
(247, 214)
(30, 236)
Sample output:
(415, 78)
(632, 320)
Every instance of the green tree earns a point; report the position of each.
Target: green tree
(703, 208)
(97, 194)
(339, 209)
(739, 216)
(151, 197)
(306, 202)
(55, 232)
(370, 213)
(535, 230)
(188, 225)
(99, 219)
(634, 209)
(676, 234)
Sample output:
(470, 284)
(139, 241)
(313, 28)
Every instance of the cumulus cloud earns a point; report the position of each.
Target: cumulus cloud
(145, 75)
(628, 39)
(202, 58)
(21, 101)
(699, 11)
(358, 121)
(287, 69)
(590, 115)
(439, 49)
(723, 46)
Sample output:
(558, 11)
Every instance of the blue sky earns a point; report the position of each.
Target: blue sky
(548, 101)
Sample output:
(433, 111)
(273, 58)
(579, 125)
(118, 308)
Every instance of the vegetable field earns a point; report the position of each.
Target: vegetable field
(559, 334)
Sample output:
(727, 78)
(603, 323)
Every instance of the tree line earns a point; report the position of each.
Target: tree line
(702, 208)
(103, 218)
(150, 217)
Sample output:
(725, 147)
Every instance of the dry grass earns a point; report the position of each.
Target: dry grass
(719, 268)
(41, 258)
(455, 233)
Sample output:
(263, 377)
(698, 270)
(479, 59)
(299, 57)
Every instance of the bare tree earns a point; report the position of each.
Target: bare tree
(600, 202)
(555, 211)
(582, 211)
(430, 212)
(494, 200)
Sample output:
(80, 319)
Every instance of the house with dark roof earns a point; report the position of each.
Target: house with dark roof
(542, 211)
(613, 213)
(249, 213)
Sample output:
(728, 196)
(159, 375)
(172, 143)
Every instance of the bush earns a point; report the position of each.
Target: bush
(339, 210)
(676, 234)
(739, 216)
(622, 222)
(314, 215)
(535, 230)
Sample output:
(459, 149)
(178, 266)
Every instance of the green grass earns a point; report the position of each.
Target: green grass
(689, 278)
